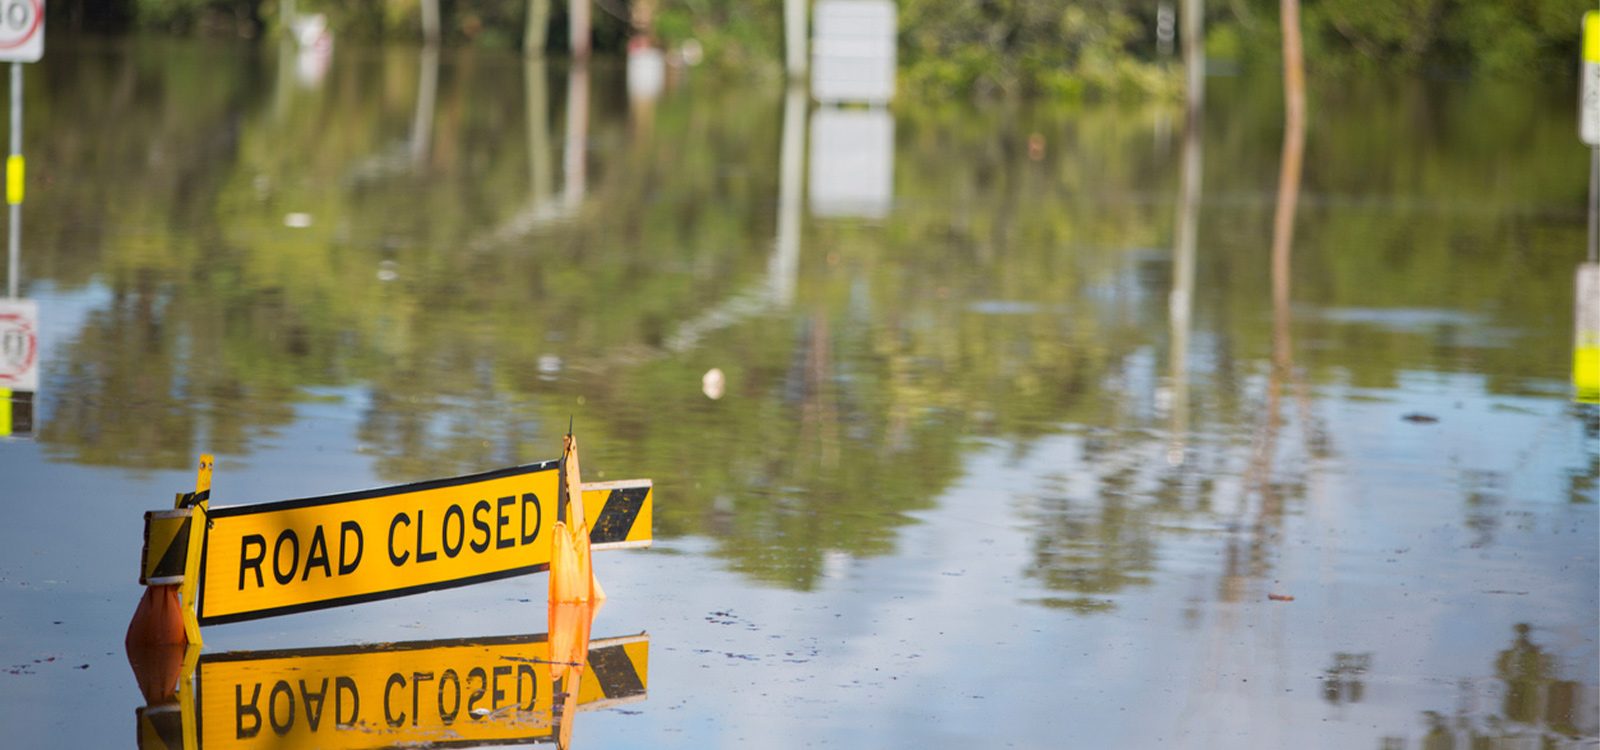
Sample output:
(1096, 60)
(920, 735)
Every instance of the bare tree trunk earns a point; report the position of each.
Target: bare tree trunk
(578, 28)
(1194, 51)
(430, 22)
(1294, 137)
(642, 17)
(537, 28)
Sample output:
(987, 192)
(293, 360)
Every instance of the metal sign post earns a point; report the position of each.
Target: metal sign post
(21, 41)
(14, 172)
(1586, 333)
(1589, 122)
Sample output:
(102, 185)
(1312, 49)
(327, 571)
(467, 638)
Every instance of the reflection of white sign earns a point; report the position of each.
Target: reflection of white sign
(852, 162)
(19, 344)
(853, 51)
(1589, 93)
(21, 30)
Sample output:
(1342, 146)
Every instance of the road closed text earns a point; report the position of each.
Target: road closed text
(279, 557)
(360, 698)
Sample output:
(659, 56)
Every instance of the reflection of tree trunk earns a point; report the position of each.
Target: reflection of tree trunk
(541, 179)
(427, 93)
(1259, 475)
(575, 154)
(785, 263)
(1180, 305)
(819, 413)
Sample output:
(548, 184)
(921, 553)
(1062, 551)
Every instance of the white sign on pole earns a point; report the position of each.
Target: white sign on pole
(19, 344)
(21, 30)
(853, 51)
(1589, 93)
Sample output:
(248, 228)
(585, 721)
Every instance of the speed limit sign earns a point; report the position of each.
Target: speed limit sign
(21, 30)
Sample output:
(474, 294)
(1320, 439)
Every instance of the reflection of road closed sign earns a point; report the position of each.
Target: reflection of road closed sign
(19, 344)
(21, 30)
(450, 693)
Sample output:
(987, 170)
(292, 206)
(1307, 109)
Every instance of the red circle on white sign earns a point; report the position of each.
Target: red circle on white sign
(11, 37)
(19, 347)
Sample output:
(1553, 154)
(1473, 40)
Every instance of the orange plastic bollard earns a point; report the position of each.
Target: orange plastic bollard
(571, 562)
(158, 620)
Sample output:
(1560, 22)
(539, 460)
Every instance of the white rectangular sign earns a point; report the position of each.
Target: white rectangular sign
(19, 344)
(853, 52)
(21, 30)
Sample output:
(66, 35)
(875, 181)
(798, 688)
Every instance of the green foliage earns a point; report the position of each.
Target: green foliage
(1020, 47)
(1067, 51)
(1515, 38)
(735, 36)
(214, 17)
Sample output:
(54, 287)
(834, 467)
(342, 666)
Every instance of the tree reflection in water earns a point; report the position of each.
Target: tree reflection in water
(1536, 708)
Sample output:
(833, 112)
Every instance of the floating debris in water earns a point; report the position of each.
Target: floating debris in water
(549, 366)
(713, 384)
(297, 220)
(1280, 597)
(1420, 418)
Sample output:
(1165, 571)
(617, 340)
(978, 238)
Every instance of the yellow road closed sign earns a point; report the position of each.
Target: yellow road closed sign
(297, 555)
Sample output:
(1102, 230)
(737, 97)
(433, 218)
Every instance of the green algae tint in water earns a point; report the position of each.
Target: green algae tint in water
(1013, 446)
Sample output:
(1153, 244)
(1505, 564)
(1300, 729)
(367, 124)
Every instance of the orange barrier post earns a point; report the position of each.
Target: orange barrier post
(571, 568)
(170, 571)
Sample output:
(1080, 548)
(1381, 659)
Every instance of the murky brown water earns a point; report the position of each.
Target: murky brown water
(1012, 445)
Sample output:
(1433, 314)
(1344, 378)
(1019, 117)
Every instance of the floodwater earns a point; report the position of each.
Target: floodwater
(1009, 442)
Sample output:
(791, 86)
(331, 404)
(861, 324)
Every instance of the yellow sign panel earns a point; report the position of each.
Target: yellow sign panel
(296, 555)
(1586, 344)
(166, 542)
(482, 691)
(1591, 37)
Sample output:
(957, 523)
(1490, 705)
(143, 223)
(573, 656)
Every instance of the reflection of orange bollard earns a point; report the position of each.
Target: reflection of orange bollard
(156, 643)
(569, 653)
(157, 669)
(571, 569)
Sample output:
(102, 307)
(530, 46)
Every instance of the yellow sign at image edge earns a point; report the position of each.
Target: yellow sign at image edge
(1591, 37)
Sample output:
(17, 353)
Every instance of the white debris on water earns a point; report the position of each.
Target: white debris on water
(713, 384)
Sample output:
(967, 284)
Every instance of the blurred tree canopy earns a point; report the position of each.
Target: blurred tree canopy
(1090, 48)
